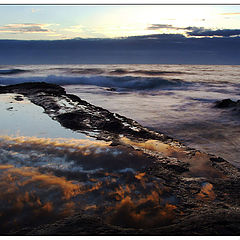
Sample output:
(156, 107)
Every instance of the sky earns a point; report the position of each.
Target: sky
(51, 22)
(113, 34)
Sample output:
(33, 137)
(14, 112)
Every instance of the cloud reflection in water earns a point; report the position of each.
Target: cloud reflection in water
(46, 179)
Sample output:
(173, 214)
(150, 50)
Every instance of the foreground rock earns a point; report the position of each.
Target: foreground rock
(205, 187)
(79, 115)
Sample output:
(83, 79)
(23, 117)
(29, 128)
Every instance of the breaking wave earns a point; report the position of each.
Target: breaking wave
(145, 72)
(117, 72)
(127, 82)
(11, 71)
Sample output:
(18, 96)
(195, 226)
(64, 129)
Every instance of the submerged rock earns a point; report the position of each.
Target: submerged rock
(111, 89)
(227, 103)
(10, 108)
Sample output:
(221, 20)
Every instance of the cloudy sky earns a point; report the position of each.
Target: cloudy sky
(167, 34)
(51, 22)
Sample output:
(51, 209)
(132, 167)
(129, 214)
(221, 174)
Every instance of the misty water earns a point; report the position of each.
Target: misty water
(177, 100)
(49, 172)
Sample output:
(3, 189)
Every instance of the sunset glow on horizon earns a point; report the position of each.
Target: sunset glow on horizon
(51, 22)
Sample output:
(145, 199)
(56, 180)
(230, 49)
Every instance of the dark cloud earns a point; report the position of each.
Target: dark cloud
(159, 26)
(208, 33)
(198, 31)
(164, 26)
(24, 28)
(157, 36)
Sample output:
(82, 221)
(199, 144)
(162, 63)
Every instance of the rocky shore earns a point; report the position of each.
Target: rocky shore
(205, 187)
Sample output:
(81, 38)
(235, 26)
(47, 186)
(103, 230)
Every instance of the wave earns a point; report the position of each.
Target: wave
(145, 72)
(127, 82)
(118, 71)
(83, 71)
(11, 71)
(87, 71)
(80, 70)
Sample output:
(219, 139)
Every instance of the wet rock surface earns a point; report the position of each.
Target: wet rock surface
(204, 188)
(18, 98)
(228, 103)
(111, 89)
(77, 114)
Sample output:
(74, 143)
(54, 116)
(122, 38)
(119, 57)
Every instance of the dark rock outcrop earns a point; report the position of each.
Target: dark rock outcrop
(78, 114)
(205, 187)
(111, 89)
(227, 103)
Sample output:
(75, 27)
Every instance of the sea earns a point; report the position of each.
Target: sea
(177, 100)
(48, 172)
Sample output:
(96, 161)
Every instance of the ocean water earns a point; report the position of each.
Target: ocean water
(48, 172)
(177, 100)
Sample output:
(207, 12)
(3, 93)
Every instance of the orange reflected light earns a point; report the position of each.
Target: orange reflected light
(207, 192)
(76, 144)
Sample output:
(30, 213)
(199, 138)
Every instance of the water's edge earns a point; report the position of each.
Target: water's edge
(205, 186)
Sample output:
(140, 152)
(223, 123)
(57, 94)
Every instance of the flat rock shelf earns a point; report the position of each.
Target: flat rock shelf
(192, 193)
